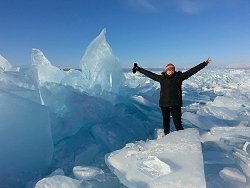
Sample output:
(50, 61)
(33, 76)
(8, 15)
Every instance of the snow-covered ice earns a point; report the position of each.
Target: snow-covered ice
(102, 127)
(162, 162)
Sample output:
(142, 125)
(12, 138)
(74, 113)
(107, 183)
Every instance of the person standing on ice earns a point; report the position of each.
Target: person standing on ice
(171, 91)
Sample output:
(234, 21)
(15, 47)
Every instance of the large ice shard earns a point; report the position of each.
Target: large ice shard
(25, 135)
(44, 73)
(4, 64)
(100, 66)
(43, 69)
(162, 162)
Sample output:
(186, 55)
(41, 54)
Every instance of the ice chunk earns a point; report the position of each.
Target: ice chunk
(25, 135)
(84, 110)
(55, 97)
(230, 131)
(172, 150)
(152, 167)
(88, 173)
(236, 123)
(159, 133)
(100, 66)
(143, 101)
(213, 154)
(228, 102)
(4, 64)
(20, 82)
(233, 176)
(88, 155)
(222, 112)
(75, 79)
(43, 69)
(235, 141)
(243, 160)
(58, 171)
(17, 81)
(44, 72)
(214, 181)
(59, 181)
(146, 108)
(117, 133)
(246, 147)
(197, 97)
(203, 122)
(37, 58)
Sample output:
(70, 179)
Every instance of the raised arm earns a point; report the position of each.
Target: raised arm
(196, 69)
(147, 73)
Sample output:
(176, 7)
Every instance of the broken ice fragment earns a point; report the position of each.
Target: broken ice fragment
(152, 166)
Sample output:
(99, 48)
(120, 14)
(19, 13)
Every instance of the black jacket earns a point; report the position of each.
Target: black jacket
(171, 92)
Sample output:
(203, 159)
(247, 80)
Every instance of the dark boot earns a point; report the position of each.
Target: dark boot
(179, 127)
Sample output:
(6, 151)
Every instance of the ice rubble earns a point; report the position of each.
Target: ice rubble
(63, 123)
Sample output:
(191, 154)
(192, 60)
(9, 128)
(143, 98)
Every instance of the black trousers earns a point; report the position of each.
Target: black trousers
(176, 115)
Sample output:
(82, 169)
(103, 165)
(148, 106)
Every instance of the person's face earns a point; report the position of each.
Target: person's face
(170, 72)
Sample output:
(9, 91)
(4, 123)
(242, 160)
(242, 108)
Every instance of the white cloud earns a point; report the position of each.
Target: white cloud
(191, 6)
(197, 6)
(142, 5)
(184, 6)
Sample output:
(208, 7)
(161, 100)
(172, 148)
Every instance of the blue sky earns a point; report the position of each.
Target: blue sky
(149, 32)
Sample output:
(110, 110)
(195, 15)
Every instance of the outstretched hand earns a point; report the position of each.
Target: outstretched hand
(135, 68)
(208, 61)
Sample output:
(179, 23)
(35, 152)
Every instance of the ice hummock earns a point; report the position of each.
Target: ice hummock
(86, 124)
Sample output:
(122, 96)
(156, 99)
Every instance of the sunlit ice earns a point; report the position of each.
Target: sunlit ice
(102, 126)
